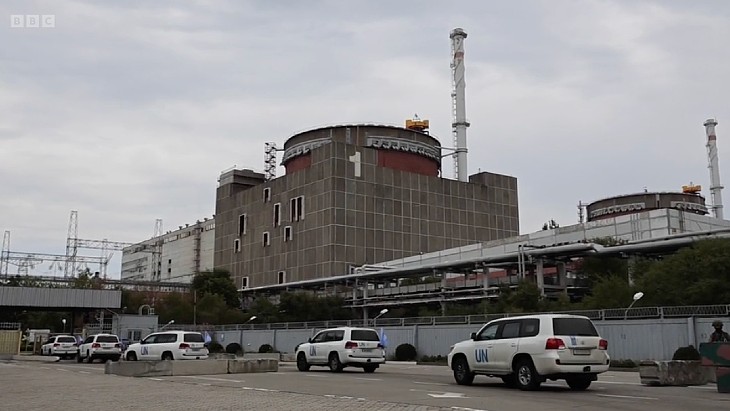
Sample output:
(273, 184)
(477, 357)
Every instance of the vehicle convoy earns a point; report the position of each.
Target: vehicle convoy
(60, 345)
(103, 346)
(342, 347)
(169, 345)
(528, 350)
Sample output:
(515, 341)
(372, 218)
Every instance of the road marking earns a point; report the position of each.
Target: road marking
(84, 372)
(466, 409)
(259, 389)
(617, 382)
(211, 379)
(316, 375)
(701, 387)
(449, 395)
(428, 383)
(156, 379)
(62, 369)
(626, 396)
(368, 379)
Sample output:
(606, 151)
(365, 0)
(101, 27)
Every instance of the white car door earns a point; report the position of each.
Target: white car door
(483, 345)
(505, 346)
(317, 351)
(147, 347)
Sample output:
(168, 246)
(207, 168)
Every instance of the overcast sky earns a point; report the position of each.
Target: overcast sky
(128, 111)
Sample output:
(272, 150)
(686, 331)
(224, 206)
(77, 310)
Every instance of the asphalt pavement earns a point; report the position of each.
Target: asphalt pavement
(66, 384)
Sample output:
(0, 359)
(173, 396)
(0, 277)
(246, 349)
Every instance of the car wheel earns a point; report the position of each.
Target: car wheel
(370, 368)
(167, 356)
(78, 357)
(132, 356)
(462, 373)
(334, 362)
(527, 378)
(302, 364)
(89, 357)
(578, 383)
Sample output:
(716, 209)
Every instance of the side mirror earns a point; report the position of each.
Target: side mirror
(474, 336)
(143, 342)
(309, 340)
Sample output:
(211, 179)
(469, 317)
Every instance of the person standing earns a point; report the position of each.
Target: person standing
(719, 335)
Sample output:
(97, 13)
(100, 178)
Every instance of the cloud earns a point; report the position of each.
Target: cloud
(129, 111)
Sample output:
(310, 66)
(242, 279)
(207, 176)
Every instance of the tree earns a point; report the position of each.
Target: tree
(526, 297)
(696, 275)
(217, 282)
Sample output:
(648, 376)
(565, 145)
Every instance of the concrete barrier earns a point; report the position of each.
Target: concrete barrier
(221, 356)
(242, 365)
(262, 356)
(189, 367)
(199, 367)
(139, 368)
(38, 358)
(677, 373)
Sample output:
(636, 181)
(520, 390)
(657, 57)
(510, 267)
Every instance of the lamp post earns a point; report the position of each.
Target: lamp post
(637, 297)
(253, 317)
(170, 322)
(383, 311)
(63, 320)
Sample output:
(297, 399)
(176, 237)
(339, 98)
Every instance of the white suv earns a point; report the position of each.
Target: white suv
(169, 345)
(104, 346)
(60, 345)
(528, 350)
(342, 347)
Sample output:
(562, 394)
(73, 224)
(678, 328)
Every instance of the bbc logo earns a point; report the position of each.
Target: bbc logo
(18, 21)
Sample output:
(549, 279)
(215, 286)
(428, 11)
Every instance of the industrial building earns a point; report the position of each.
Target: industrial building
(171, 257)
(352, 195)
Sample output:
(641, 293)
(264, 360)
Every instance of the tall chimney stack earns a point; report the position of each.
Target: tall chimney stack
(458, 103)
(714, 166)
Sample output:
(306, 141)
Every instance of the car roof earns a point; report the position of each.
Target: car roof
(540, 316)
(348, 328)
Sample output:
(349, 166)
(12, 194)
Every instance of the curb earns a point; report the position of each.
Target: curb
(36, 358)
(401, 362)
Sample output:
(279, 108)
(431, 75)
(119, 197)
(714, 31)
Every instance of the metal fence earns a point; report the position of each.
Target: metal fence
(9, 326)
(596, 315)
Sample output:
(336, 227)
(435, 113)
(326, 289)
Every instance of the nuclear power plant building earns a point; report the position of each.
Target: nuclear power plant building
(353, 195)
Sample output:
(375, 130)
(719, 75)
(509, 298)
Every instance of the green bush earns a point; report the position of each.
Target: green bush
(266, 348)
(688, 353)
(405, 352)
(215, 347)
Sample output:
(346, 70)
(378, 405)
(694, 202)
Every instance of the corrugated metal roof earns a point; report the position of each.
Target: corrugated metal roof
(59, 297)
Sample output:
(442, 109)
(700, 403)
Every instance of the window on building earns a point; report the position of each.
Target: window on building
(277, 214)
(296, 209)
(287, 233)
(241, 224)
(267, 194)
(282, 277)
(244, 282)
(169, 261)
(236, 245)
(266, 238)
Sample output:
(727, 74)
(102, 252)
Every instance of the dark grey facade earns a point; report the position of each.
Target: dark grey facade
(323, 219)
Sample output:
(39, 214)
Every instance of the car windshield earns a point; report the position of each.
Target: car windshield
(365, 335)
(581, 327)
(194, 337)
(66, 339)
(107, 339)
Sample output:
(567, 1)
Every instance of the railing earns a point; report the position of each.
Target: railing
(597, 315)
(9, 326)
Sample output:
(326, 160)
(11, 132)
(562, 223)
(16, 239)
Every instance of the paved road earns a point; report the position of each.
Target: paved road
(392, 387)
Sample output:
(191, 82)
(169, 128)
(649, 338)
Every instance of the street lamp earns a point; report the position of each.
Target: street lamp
(637, 297)
(170, 322)
(253, 317)
(383, 311)
(63, 320)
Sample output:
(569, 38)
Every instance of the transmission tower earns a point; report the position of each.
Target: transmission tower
(157, 253)
(5, 254)
(270, 161)
(71, 249)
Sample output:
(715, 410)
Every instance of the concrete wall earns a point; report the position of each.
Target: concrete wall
(633, 339)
